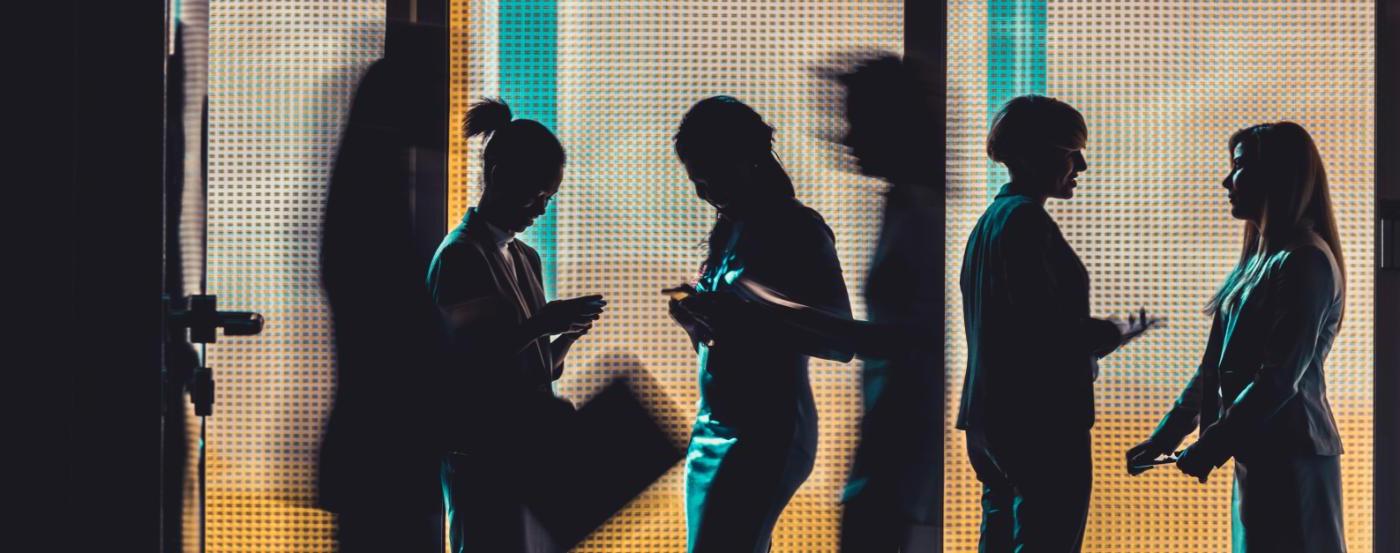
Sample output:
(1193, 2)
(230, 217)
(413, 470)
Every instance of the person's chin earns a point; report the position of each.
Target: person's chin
(521, 226)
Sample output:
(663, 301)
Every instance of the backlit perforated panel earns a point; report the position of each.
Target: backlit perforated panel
(281, 75)
(626, 221)
(1163, 85)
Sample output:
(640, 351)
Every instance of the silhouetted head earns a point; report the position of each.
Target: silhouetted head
(1276, 177)
(522, 165)
(1041, 142)
(891, 123)
(1278, 185)
(727, 150)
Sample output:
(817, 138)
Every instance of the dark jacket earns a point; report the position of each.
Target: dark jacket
(514, 424)
(474, 289)
(1032, 346)
(1260, 387)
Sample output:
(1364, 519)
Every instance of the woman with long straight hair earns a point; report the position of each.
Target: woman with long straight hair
(755, 434)
(1259, 394)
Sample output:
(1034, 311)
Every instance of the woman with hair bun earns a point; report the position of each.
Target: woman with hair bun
(755, 435)
(487, 284)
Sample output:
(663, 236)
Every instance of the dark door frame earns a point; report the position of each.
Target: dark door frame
(926, 40)
(1386, 399)
(113, 357)
(418, 29)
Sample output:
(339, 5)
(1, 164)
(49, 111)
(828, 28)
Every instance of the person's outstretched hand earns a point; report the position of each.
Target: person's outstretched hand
(1136, 325)
(570, 316)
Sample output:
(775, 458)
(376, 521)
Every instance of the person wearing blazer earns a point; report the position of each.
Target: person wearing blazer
(488, 286)
(1027, 401)
(1259, 394)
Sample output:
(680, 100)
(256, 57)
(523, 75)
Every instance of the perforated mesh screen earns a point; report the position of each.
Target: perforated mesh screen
(1163, 85)
(627, 222)
(281, 76)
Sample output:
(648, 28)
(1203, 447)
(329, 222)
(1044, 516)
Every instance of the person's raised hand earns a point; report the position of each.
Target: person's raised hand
(1136, 325)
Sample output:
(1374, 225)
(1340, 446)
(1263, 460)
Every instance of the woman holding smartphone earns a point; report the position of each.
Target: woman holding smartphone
(755, 434)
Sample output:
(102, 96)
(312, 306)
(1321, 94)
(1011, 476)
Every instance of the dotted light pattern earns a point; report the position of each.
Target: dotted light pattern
(281, 76)
(1163, 85)
(628, 223)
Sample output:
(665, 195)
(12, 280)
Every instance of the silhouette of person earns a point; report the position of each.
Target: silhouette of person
(386, 435)
(1259, 394)
(894, 486)
(487, 283)
(1028, 401)
(755, 435)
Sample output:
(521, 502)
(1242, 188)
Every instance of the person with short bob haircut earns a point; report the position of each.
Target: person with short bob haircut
(1028, 398)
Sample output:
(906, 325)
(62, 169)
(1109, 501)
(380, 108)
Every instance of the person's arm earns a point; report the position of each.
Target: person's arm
(1031, 282)
(1185, 414)
(1300, 301)
(795, 292)
(559, 349)
(460, 281)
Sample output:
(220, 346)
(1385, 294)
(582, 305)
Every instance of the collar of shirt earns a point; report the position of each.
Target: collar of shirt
(498, 235)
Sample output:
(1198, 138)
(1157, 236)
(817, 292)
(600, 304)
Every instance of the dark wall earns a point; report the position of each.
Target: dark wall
(112, 447)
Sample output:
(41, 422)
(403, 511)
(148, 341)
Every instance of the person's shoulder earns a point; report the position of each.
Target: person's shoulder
(804, 220)
(457, 251)
(1307, 256)
(1016, 214)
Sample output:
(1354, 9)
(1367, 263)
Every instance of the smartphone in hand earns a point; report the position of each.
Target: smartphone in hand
(1164, 459)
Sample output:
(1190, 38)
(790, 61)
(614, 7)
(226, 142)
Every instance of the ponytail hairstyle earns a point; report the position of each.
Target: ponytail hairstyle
(1286, 162)
(525, 146)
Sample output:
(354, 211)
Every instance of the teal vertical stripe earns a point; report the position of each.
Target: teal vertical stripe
(529, 31)
(1015, 61)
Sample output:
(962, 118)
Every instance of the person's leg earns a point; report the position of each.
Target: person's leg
(870, 525)
(754, 483)
(388, 528)
(998, 497)
(1289, 505)
(1320, 499)
(1053, 477)
(483, 514)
